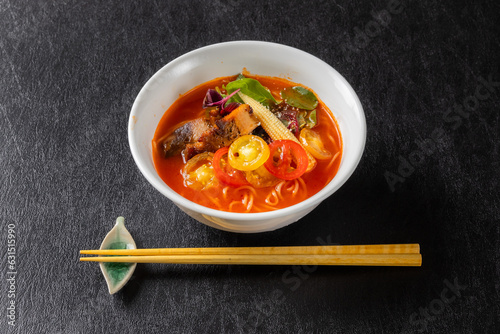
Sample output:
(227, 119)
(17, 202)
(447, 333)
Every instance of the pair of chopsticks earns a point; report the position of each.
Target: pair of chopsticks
(354, 255)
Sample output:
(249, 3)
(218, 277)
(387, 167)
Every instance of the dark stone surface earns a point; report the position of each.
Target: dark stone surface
(70, 71)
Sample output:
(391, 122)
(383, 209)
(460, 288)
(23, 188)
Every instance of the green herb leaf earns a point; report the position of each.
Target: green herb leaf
(311, 120)
(299, 97)
(301, 118)
(252, 88)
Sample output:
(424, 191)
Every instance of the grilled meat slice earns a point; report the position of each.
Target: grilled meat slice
(243, 118)
(188, 132)
(200, 135)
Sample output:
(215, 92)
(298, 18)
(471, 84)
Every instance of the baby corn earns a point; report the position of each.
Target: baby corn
(273, 126)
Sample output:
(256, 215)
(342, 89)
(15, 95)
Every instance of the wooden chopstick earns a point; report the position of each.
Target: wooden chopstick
(305, 250)
(360, 255)
(266, 259)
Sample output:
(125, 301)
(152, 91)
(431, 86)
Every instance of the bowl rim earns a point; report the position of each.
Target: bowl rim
(163, 188)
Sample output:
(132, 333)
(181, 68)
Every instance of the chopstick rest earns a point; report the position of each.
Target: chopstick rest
(117, 274)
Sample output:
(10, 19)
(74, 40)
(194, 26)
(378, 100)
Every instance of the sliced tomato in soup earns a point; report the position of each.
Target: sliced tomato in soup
(288, 159)
(224, 172)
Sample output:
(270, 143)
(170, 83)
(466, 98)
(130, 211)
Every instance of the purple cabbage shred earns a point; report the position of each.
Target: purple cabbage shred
(214, 99)
(291, 118)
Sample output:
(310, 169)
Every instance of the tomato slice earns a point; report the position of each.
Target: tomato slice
(288, 159)
(261, 178)
(224, 172)
(313, 144)
(198, 173)
(248, 152)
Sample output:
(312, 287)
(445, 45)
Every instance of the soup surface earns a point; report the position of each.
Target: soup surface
(212, 191)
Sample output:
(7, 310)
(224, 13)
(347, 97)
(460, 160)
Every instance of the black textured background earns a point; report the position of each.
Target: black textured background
(70, 71)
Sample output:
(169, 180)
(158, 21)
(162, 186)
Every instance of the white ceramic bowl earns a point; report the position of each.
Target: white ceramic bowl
(263, 58)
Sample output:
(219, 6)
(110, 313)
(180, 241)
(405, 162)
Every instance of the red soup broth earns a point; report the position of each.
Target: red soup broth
(246, 199)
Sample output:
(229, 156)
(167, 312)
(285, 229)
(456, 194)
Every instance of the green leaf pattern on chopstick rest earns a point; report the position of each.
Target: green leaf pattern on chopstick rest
(117, 271)
(117, 274)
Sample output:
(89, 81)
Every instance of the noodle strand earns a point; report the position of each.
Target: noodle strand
(247, 188)
(250, 203)
(334, 142)
(296, 187)
(278, 189)
(214, 201)
(274, 195)
(333, 160)
(247, 200)
(303, 184)
(233, 203)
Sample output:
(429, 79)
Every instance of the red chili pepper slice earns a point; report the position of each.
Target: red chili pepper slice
(224, 172)
(288, 159)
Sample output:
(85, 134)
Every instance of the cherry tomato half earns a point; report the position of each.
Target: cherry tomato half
(261, 178)
(313, 144)
(288, 159)
(198, 173)
(248, 152)
(224, 172)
